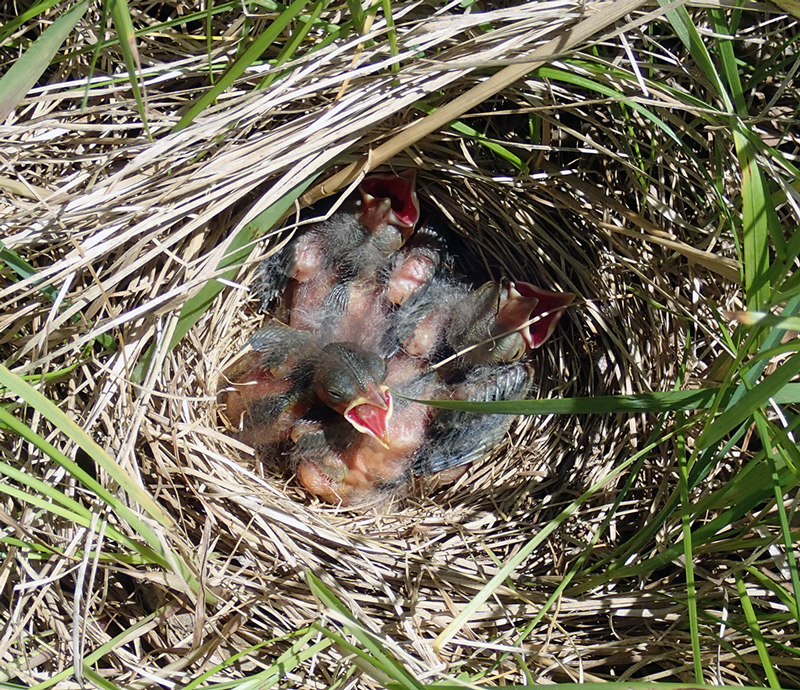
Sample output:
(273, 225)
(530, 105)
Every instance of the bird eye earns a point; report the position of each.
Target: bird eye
(508, 350)
(335, 394)
(517, 354)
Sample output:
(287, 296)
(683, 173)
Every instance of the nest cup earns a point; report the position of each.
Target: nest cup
(497, 228)
(475, 257)
(500, 228)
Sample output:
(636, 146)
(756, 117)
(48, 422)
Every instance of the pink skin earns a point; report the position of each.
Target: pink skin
(426, 337)
(323, 475)
(414, 273)
(313, 293)
(355, 476)
(324, 478)
(269, 394)
(365, 319)
(241, 407)
(310, 283)
(308, 257)
(251, 386)
(252, 381)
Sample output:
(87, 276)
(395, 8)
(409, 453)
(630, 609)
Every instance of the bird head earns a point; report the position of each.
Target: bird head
(350, 380)
(527, 303)
(501, 322)
(389, 200)
(485, 327)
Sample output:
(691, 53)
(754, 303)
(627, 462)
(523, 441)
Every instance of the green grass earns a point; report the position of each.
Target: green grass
(718, 542)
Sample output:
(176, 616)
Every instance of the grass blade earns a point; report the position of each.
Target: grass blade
(772, 386)
(755, 631)
(688, 566)
(376, 656)
(669, 401)
(121, 16)
(50, 411)
(248, 58)
(25, 72)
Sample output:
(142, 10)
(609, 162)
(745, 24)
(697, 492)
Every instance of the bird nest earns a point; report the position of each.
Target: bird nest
(151, 250)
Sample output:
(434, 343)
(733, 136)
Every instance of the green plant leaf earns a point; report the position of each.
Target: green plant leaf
(121, 16)
(248, 58)
(76, 433)
(23, 269)
(375, 654)
(670, 401)
(773, 386)
(27, 69)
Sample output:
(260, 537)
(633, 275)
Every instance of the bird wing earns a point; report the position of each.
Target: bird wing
(274, 273)
(281, 348)
(456, 437)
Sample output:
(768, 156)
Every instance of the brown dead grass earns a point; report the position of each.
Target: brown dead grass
(127, 230)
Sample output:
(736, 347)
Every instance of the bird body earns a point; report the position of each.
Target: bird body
(420, 325)
(456, 438)
(289, 371)
(345, 249)
(363, 308)
(411, 270)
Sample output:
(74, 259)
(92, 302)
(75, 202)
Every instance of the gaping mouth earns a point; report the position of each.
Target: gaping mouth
(544, 308)
(372, 418)
(391, 199)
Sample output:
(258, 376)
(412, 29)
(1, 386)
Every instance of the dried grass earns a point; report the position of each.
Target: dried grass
(126, 230)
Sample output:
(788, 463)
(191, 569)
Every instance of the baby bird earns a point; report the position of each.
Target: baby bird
(372, 307)
(289, 371)
(341, 467)
(389, 210)
(499, 323)
(349, 245)
(353, 304)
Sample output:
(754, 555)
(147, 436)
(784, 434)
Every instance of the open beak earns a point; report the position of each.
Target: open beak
(543, 305)
(371, 412)
(515, 311)
(388, 199)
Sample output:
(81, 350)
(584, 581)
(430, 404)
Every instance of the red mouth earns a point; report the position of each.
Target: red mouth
(402, 209)
(547, 309)
(372, 419)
